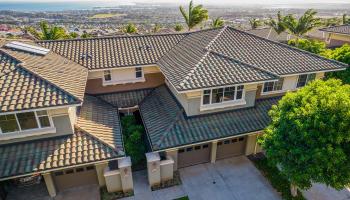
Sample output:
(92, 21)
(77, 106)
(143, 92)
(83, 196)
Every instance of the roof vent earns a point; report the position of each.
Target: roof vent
(145, 47)
(85, 56)
(27, 48)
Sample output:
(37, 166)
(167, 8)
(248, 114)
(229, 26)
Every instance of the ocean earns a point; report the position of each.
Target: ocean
(61, 6)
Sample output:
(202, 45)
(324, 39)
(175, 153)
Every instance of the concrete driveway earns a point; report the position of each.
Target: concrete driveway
(234, 178)
(88, 192)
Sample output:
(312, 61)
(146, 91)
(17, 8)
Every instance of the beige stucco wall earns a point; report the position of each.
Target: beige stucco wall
(191, 101)
(127, 72)
(166, 169)
(252, 146)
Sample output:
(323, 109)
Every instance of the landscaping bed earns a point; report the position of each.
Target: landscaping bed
(276, 179)
(114, 195)
(175, 181)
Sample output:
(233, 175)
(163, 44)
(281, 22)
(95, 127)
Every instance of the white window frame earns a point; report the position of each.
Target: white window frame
(32, 129)
(223, 104)
(273, 87)
(109, 72)
(139, 69)
(307, 79)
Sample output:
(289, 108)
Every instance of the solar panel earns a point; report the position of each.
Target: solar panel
(27, 48)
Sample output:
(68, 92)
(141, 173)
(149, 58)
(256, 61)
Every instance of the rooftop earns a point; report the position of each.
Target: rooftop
(168, 126)
(341, 29)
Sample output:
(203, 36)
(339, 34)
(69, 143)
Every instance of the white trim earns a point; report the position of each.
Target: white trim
(126, 67)
(61, 168)
(39, 109)
(27, 133)
(223, 104)
(209, 141)
(330, 70)
(273, 91)
(137, 80)
(335, 33)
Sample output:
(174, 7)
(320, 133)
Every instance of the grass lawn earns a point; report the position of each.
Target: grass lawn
(276, 179)
(106, 15)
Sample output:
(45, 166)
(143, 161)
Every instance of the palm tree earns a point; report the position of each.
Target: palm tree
(48, 32)
(279, 24)
(345, 19)
(299, 27)
(178, 27)
(156, 28)
(218, 22)
(254, 23)
(130, 28)
(195, 15)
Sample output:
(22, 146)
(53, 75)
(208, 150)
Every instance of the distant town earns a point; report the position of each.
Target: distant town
(148, 18)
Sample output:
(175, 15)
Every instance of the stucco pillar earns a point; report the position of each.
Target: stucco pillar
(250, 147)
(100, 168)
(153, 168)
(124, 166)
(214, 147)
(50, 185)
(173, 154)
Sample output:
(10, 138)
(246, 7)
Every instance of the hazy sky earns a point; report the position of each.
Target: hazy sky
(202, 1)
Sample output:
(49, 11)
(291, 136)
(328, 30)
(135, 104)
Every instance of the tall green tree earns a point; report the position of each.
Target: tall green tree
(345, 19)
(299, 27)
(254, 23)
(341, 54)
(130, 28)
(309, 135)
(48, 32)
(279, 24)
(312, 46)
(178, 27)
(194, 15)
(218, 22)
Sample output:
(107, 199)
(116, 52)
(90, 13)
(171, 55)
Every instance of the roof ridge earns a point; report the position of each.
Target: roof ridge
(248, 65)
(215, 38)
(112, 37)
(288, 46)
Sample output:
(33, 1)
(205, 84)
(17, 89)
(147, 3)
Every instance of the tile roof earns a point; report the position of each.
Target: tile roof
(167, 125)
(110, 52)
(101, 120)
(65, 74)
(342, 29)
(40, 155)
(247, 50)
(20, 89)
(125, 99)
(271, 34)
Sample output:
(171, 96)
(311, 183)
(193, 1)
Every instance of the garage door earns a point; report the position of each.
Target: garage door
(231, 147)
(194, 155)
(75, 177)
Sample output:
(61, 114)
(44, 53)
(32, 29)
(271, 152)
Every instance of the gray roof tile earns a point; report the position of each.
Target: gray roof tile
(342, 29)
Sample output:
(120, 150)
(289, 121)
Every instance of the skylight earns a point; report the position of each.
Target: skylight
(27, 48)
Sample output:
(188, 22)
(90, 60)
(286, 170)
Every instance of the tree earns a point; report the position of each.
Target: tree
(156, 28)
(341, 54)
(312, 46)
(309, 135)
(255, 23)
(194, 16)
(299, 27)
(130, 28)
(73, 35)
(48, 32)
(132, 135)
(218, 22)
(85, 35)
(345, 20)
(279, 24)
(178, 27)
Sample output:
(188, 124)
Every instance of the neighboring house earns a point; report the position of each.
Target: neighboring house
(202, 96)
(271, 34)
(337, 35)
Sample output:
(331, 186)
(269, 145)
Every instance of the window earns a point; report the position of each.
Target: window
(79, 169)
(24, 121)
(60, 173)
(273, 85)
(304, 79)
(8, 123)
(220, 95)
(27, 120)
(181, 150)
(88, 168)
(205, 146)
(138, 72)
(234, 140)
(197, 147)
(227, 142)
(241, 139)
(43, 119)
(107, 75)
(69, 171)
(189, 149)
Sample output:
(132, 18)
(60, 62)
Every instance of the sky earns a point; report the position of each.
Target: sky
(200, 1)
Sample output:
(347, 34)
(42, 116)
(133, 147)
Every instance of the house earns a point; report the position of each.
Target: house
(271, 34)
(202, 96)
(337, 35)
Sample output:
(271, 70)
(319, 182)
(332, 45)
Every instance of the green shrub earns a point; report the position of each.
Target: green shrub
(133, 142)
(312, 46)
